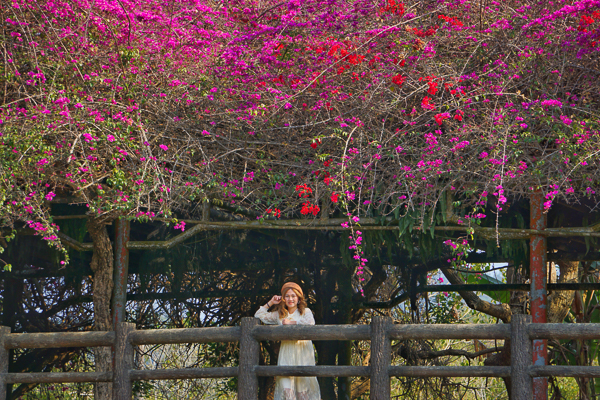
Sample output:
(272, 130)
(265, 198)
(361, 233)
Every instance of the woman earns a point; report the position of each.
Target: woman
(292, 311)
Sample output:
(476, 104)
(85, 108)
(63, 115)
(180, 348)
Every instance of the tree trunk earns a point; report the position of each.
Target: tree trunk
(102, 267)
(559, 302)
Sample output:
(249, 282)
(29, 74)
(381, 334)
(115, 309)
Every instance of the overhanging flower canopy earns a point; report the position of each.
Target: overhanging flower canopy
(142, 108)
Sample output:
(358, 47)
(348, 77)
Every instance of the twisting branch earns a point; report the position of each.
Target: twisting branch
(500, 311)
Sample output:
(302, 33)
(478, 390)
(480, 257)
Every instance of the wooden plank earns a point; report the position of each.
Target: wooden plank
(4, 360)
(310, 370)
(564, 331)
(59, 339)
(58, 377)
(123, 361)
(568, 371)
(249, 355)
(183, 373)
(381, 355)
(521, 351)
(450, 331)
(312, 332)
(186, 335)
(426, 372)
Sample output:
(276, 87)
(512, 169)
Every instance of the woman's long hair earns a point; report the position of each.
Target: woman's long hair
(282, 309)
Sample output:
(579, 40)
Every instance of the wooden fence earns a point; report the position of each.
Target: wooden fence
(381, 332)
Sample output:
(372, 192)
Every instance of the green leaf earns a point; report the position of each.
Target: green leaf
(503, 297)
(587, 244)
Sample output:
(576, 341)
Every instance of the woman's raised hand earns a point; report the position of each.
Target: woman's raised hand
(275, 300)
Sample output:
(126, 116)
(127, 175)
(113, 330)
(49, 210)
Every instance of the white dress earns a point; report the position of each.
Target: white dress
(293, 352)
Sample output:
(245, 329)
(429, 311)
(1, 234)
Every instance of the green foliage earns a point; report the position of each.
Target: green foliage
(483, 278)
(445, 308)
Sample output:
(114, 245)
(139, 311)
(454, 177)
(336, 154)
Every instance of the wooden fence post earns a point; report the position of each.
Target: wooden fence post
(521, 352)
(124, 355)
(4, 355)
(249, 353)
(381, 356)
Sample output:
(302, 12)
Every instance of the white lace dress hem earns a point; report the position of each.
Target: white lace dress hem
(294, 352)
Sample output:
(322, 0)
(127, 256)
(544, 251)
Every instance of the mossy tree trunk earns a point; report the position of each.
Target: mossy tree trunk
(102, 268)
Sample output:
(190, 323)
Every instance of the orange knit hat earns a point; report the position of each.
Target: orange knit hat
(291, 285)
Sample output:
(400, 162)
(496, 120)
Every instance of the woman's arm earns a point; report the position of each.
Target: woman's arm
(269, 318)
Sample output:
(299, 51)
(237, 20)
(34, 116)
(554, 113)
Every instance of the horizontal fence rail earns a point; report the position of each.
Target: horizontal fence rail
(183, 373)
(449, 331)
(564, 331)
(312, 332)
(186, 335)
(423, 372)
(381, 332)
(59, 339)
(566, 371)
(58, 377)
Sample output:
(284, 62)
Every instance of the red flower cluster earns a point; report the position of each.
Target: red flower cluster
(315, 143)
(303, 191)
(425, 103)
(393, 8)
(276, 212)
(352, 59)
(439, 118)
(398, 79)
(355, 59)
(421, 33)
(432, 84)
(334, 198)
(333, 49)
(308, 208)
(451, 20)
(586, 21)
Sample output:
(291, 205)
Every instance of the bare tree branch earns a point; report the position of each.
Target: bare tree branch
(500, 311)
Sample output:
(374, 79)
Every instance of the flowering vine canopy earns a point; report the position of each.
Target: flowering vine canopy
(141, 108)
